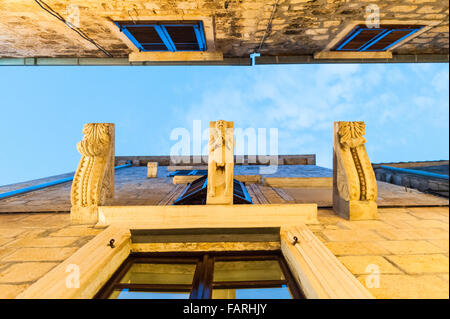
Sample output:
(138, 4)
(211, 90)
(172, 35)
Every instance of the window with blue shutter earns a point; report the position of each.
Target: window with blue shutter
(195, 193)
(169, 36)
(363, 39)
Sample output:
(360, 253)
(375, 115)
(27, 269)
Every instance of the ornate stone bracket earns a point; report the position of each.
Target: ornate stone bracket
(354, 183)
(93, 183)
(220, 163)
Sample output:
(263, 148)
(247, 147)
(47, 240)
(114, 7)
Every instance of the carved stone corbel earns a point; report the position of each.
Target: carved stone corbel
(354, 183)
(220, 163)
(93, 183)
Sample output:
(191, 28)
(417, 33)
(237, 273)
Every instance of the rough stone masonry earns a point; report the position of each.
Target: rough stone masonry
(299, 27)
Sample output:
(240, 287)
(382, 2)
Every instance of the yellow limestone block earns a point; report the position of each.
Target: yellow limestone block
(26, 271)
(152, 169)
(400, 286)
(354, 183)
(220, 163)
(93, 183)
(361, 265)
(40, 254)
(421, 264)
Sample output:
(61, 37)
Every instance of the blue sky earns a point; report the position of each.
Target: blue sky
(43, 109)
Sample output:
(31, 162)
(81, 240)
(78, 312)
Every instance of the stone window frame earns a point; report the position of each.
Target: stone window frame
(319, 274)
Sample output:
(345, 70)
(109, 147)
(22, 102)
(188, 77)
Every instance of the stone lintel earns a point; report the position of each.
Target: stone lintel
(175, 56)
(352, 55)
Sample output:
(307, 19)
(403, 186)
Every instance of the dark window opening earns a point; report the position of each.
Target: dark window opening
(212, 275)
(363, 39)
(195, 193)
(188, 172)
(165, 36)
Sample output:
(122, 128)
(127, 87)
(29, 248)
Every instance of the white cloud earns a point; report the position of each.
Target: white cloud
(440, 81)
(303, 101)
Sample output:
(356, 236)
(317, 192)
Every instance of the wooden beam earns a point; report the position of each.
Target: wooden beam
(172, 195)
(258, 194)
(285, 196)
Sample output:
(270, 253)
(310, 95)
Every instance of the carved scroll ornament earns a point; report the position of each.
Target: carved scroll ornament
(355, 179)
(93, 183)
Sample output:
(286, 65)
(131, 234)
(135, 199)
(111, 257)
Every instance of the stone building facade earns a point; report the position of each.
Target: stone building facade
(408, 242)
(237, 28)
(90, 218)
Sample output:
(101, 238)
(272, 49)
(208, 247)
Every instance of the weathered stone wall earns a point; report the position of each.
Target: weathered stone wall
(132, 187)
(422, 183)
(299, 26)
